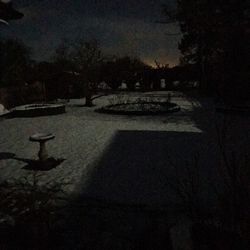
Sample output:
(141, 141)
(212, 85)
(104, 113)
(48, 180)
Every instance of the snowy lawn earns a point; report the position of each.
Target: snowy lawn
(120, 158)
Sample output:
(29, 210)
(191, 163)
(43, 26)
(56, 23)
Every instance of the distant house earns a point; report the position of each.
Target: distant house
(103, 86)
(123, 86)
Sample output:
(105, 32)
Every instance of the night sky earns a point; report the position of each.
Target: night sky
(123, 27)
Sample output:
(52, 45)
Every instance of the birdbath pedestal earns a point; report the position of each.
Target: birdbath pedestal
(42, 139)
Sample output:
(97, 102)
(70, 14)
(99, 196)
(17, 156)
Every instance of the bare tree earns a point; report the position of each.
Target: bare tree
(87, 58)
(82, 58)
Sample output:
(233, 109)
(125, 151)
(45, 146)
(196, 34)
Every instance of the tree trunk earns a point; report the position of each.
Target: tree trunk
(88, 96)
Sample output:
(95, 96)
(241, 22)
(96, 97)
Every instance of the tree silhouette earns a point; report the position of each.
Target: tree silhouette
(215, 35)
(15, 62)
(127, 69)
(83, 57)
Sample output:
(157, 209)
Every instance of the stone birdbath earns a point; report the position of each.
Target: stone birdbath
(42, 138)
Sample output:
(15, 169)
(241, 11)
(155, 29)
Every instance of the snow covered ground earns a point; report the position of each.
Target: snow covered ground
(120, 158)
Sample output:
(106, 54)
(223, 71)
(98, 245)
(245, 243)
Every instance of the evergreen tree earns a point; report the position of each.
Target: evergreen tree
(215, 39)
(15, 62)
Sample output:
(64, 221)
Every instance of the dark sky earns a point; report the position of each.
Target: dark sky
(123, 27)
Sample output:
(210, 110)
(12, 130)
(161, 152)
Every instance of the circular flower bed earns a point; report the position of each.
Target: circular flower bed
(32, 110)
(142, 108)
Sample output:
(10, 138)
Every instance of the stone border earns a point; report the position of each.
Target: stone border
(5, 114)
(108, 109)
(33, 110)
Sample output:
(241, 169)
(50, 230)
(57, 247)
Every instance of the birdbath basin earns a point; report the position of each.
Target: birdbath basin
(42, 138)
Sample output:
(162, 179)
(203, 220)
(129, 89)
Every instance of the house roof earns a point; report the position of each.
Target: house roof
(7, 12)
